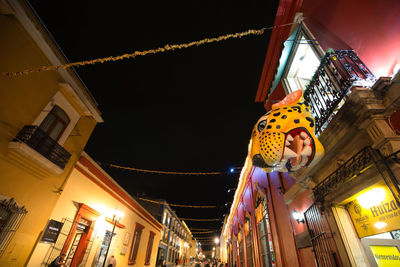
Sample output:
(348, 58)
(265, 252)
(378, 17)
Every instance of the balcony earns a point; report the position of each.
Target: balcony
(339, 71)
(36, 139)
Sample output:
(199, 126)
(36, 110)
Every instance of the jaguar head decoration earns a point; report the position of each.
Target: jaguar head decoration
(284, 139)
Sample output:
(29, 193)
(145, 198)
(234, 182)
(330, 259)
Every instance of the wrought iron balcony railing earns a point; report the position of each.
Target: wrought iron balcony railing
(337, 73)
(37, 139)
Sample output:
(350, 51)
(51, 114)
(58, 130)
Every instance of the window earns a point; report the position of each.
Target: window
(11, 216)
(55, 123)
(303, 60)
(135, 244)
(149, 248)
(164, 218)
(241, 247)
(249, 243)
(265, 234)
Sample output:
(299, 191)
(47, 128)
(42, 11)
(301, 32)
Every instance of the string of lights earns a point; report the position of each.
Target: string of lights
(178, 205)
(163, 172)
(135, 54)
(200, 229)
(200, 220)
(208, 232)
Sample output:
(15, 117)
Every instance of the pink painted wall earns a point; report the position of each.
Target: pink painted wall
(370, 27)
(283, 225)
(307, 258)
(301, 204)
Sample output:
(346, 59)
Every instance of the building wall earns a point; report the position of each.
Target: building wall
(301, 204)
(22, 100)
(84, 187)
(368, 27)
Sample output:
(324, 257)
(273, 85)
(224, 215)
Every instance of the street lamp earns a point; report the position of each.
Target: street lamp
(117, 215)
(297, 216)
(216, 240)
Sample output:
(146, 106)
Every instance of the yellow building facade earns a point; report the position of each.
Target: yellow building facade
(84, 214)
(46, 119)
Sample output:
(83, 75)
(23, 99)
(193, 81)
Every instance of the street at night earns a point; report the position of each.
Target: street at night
(212, 133)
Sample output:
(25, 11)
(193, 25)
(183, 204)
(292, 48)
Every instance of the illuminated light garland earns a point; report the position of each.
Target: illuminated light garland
(164, 172)
(200, 220)
(207, 232)
(163, 49)
(178, 205)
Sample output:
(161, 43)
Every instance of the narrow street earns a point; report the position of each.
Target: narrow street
(200, 133)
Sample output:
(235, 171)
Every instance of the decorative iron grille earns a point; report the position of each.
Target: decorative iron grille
(356, 165)
(11, 216)
(337, 73)
(321, 237)
(349, 170)
(37, 139)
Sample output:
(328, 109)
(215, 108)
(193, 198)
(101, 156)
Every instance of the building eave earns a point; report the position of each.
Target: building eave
(34, 28)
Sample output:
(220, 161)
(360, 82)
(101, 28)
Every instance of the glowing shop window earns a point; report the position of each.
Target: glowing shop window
(302, 68)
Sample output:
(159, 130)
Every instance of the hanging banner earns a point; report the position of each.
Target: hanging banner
(375, 211)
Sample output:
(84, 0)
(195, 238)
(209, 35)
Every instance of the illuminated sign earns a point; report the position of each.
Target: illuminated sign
(379, 215)
(386, 256)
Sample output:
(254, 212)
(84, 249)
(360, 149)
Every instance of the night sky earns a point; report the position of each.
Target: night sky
(186, 110)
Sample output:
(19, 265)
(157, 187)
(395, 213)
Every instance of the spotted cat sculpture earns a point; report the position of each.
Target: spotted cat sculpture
(284, 138)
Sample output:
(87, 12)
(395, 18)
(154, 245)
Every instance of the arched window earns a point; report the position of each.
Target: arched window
(55, 123)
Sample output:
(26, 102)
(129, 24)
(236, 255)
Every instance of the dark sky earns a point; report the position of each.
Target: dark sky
(187, 110)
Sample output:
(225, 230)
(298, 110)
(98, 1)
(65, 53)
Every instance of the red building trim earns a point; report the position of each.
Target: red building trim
(90, 215)
(286, 12)
(124, 196)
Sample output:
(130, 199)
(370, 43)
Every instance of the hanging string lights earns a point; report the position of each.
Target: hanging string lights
(135, 54)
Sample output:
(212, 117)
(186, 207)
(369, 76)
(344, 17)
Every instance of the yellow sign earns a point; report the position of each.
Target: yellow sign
(374, 212)
(386, 256)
